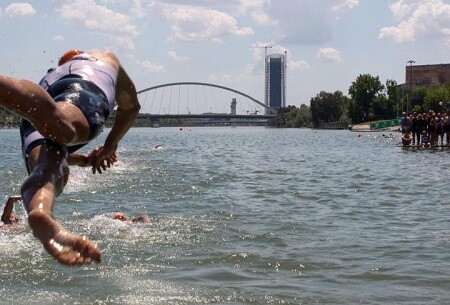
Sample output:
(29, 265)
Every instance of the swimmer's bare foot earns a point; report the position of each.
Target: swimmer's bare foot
(67, 248)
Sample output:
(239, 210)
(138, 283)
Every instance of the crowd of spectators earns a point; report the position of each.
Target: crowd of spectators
(426, 129)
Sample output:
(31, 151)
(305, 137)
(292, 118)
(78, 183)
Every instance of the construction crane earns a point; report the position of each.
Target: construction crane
(266, 78)
(265, 49)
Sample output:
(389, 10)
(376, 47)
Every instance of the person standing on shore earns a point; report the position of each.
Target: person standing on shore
(414, 128)
(64, 112)
(447, 128)
(405, 123)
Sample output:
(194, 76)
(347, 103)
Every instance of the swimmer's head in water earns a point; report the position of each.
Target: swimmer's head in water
(68, 55)
(119, 216)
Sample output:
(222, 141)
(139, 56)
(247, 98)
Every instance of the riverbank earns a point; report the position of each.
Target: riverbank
(12, 125)
(366, 128)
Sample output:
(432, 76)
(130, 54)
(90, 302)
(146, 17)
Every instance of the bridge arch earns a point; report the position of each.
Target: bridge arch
(270, 110)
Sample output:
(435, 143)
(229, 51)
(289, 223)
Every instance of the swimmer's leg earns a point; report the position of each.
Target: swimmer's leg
(61, 122)
(46, 181)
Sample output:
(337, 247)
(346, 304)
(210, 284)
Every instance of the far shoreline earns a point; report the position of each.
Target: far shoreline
(366, 128)
(9, 125)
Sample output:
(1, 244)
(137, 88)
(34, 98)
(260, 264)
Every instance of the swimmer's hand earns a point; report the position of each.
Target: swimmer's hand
(8, 216)
(101, 158)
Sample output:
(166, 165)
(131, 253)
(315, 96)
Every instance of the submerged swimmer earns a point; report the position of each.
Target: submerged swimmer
(122, 217)
(64, 112)
(8, 216)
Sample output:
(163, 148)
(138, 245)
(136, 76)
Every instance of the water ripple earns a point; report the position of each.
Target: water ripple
(245, 216)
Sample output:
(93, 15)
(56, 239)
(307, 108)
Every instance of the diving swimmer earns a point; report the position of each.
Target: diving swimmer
(61, 114)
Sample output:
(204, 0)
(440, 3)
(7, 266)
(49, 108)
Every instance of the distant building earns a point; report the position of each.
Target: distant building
(427, 75)
(275, 81)
(424, 75)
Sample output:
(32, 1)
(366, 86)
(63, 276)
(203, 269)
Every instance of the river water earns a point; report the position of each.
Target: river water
(243, 216)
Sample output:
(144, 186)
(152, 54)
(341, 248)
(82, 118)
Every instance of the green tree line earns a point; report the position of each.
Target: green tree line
(8, 118)
(368, 100)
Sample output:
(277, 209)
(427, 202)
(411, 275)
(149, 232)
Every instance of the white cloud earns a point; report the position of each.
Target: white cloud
(172, 55)
(329, 55)
(401, 9)
(58, 38)
(306, 22)
(245, 5)
(301, 22)
(419, 20)
(297, 64)
(250, 69)
(261, 18)
(19, 10)
(100, 19)
(236, 6)
(292, 21)
(343, 7)
(226, 78)
(123, 43)
(135, 7)
(150, 67)
(191, 23)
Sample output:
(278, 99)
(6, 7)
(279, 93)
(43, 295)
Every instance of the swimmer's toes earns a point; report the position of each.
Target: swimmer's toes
(96, 255)
(78, 261)
(88, 250)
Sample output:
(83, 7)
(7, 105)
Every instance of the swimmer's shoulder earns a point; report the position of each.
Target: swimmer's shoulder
(108, 57)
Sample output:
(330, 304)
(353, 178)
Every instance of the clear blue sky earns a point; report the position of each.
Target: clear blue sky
(329, 42)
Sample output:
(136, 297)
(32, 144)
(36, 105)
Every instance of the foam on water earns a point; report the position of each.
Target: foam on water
(15, 240)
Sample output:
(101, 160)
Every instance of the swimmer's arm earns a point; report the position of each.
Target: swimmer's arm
(78, 159)
(7, 211)
(84, 160)
(127, 109)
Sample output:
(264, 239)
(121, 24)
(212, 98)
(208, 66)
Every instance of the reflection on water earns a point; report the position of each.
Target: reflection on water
(244, 216)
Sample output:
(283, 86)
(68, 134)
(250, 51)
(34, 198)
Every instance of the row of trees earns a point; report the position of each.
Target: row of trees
(8, 118)
(368, 100)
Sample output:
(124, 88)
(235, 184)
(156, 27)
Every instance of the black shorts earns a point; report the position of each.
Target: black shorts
(84, 94)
